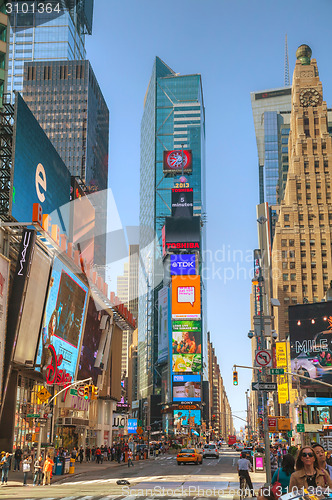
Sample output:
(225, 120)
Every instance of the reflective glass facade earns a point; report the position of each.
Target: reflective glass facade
(173, 118)
(43, 37)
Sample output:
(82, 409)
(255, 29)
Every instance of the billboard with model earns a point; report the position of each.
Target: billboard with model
(186, 346)
(310, 329)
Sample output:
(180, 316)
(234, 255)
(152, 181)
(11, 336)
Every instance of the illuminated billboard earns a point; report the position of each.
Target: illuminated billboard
(132, 425)
(186, 388)
(186, 417)
(164, 323)
(182, 233)
(177, 161)
(38, 173)
(182, 202)
(310, 329)
(186, 297)
(64, 317)
(182, 264)
(186, 346)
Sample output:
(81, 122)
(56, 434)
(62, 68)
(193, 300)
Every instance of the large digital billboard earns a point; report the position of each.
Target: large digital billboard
(182, 202)
(183, 264)
(64, 317)
(310, 329)
(177, 160)
(186, 417)
(186, 388)
(164, 323)
(186, 346)
(186, 297)
(38, 173)
(182, 233)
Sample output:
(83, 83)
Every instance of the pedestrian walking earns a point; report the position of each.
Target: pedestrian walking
(93, 453)
(81, 454)
(5, 465)
(98, 455)
(38, 471)
(26, 465)
(130, 458)
(47, 469)
(87, 454)
(17, 458)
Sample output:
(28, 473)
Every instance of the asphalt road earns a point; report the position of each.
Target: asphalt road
(154, 478)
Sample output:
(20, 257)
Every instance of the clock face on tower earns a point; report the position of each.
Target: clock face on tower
(309, 97)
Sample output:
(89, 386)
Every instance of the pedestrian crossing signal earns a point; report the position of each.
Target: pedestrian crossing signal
(86, 392)
(235, 378)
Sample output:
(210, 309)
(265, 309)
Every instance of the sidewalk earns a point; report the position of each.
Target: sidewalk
(15, 478)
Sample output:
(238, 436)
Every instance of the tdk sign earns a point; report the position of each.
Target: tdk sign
(183, 264)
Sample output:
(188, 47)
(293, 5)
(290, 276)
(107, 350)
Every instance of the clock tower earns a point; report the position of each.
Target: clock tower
(301, 256)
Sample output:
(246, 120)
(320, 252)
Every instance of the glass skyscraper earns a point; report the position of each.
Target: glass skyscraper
(173, 118)
(48, 37)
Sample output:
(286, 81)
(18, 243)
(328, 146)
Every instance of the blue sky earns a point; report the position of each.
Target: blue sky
(237, 46)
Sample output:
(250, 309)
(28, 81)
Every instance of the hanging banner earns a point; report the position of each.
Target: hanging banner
(281, 362)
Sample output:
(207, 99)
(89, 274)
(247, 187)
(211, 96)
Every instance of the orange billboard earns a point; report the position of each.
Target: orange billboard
(186, 297)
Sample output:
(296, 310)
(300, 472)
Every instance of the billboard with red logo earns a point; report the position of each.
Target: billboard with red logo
(177, 161)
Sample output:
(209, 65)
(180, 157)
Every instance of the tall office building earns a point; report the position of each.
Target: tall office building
(43, 36)
(173, 119)
(66, 99)
(3, 51)
(271, 112)
(301, 256)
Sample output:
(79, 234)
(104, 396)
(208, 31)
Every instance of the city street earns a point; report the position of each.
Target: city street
(154, 478)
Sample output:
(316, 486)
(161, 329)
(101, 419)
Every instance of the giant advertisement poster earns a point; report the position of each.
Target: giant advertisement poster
(39, 175)
(4, 280)
(186, 346)
(163, 323)
(186, 418)
(310, 329)
(186, 388)
(64, 317)
(186, 297)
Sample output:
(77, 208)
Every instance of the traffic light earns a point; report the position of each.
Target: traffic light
(213, 418)
(86, 392)
(235, 379)
(95, 391)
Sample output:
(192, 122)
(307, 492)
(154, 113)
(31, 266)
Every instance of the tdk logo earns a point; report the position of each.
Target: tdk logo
(183, 264)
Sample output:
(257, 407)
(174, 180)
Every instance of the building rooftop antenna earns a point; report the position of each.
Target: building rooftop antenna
(286, 75)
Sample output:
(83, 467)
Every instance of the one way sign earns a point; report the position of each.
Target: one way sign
(261, 386)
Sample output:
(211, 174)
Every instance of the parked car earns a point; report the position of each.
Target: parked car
(189, 455)
(210, 450)
(239, 446)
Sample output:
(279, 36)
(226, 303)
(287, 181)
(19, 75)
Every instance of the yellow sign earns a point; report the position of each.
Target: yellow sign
(43, 395)
(281, 360)
(139, 430)
(284, 424)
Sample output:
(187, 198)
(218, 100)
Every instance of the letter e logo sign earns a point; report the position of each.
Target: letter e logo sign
(40, 182)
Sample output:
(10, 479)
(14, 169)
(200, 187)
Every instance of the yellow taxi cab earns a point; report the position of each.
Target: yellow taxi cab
(189, 455)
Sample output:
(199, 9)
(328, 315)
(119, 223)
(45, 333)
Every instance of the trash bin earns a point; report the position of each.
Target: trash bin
(72, 466)
(57, 469)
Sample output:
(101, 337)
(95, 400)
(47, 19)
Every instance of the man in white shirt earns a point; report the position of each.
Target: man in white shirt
(243, 468)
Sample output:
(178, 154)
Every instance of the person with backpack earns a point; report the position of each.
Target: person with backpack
(17, 458)
(282, 475)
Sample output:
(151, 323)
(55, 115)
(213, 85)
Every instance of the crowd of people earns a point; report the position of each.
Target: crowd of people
(41, 469)
(310, 470)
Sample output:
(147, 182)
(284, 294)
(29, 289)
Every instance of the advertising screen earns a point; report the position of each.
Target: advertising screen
(164, 323)
(38, 175)
(186, 297)
(132, 425)
(186, 387)
(310, 329)
(181, 417)
(186, 346)
(64, 316)
(177, 160)
(95, 344)
(183, 264)
(182, 233)
(182, 202)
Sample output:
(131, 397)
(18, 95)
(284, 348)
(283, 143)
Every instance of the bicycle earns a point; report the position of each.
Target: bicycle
(244, 487)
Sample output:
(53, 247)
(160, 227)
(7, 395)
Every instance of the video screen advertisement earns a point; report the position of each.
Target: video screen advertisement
(186, 346)
(182, 202)
(182, 264)
(38, 173)
(310, 329)
(181, 418)
(182, 233)
(164, 323)
(186, 388)
(186, 297)
(64, 317)
(178, 160)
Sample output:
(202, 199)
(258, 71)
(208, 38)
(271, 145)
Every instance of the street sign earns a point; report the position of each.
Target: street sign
(263, 358)
(262, 386)
(148, 427)
(139, 430)
(33, 415)
(43, 395)
(290, 434)
(300, 428)
(41, 420)
(277, 371)
(140, 423)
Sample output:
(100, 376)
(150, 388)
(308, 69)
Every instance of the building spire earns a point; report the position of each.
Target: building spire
(286, 75)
